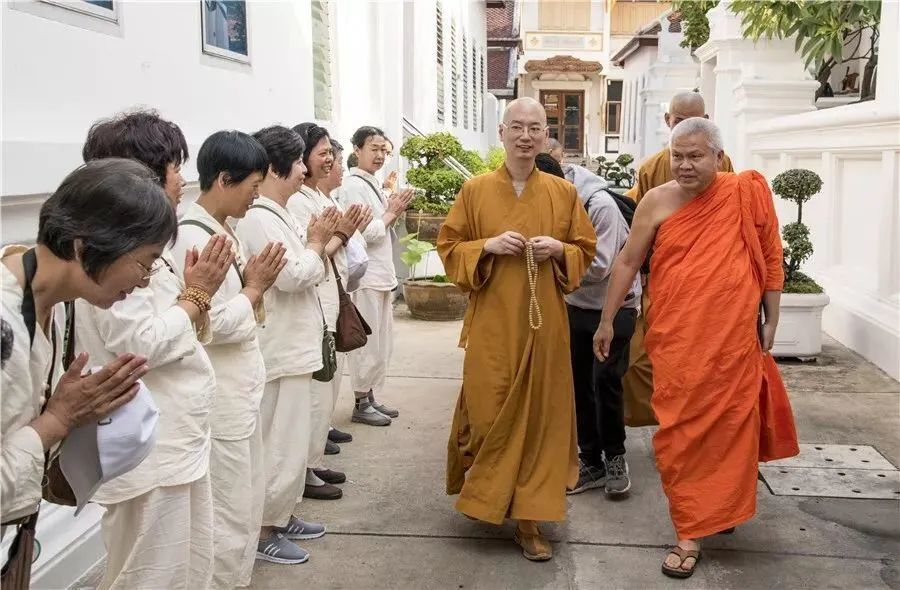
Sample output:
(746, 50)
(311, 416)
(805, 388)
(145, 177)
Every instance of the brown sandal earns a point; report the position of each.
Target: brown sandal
(535, 547)
(683, 555)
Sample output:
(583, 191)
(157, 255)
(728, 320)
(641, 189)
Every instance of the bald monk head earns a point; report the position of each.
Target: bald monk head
(524, 130)
(685, 105)
(555, 149)
(696, 153)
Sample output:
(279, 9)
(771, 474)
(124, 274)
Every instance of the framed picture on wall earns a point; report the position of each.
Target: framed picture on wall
(224, 29)
(105, 9)
(612, 144)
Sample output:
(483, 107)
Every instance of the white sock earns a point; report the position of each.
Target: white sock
(313, 480)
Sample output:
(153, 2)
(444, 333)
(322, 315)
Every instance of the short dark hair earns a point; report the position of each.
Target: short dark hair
(312, 134)
(112, 206)
(352, 161)
(364, 133)
(140, 135)
(547, 163)
(283, 146)
(336, 146)
(233, 152)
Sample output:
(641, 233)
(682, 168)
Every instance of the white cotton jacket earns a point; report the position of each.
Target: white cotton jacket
(22, 394)
(181, 380)
(233, 349)
(303, 206)
(361, 187)
(291, 339)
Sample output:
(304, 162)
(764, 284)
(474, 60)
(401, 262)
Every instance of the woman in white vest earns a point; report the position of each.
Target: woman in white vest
(104, 221)
(158, 522)
(231, 166)
(291, 340)
(318, 157)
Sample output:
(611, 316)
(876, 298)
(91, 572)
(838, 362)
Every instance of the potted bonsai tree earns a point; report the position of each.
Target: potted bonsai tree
(618, 172)
(428, 292)
(438, 184)
(799, 331)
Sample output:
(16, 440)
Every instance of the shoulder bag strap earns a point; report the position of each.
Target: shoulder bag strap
(213, 232)
(378, 194)
(275, 213)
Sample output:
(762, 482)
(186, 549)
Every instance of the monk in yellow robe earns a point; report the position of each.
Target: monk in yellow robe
(655, 171)
(512, 449)
(717, 256)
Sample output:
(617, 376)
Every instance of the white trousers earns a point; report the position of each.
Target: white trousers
(368, 365)
(323, 397)
(161, 539)
(238, 486)
(285, 417)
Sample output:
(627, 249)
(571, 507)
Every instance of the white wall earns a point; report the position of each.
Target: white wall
(855, 220)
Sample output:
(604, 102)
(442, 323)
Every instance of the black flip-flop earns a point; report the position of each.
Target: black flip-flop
(683, 554)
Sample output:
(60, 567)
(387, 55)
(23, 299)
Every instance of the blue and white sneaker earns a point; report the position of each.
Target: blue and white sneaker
(277, 549)
(297, 530)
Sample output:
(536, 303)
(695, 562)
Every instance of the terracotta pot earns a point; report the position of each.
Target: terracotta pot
(428, 300)
(427, 225)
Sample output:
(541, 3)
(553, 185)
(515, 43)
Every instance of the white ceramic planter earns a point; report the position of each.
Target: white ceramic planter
(799, 333)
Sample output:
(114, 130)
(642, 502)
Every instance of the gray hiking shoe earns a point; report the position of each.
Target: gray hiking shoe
(383, 409)
(298, 530)
(366, 414)
(589, 477)
(617, 482)
(278, 549)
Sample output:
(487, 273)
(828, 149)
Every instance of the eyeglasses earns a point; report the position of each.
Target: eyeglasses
(149, 271)
(517, 129)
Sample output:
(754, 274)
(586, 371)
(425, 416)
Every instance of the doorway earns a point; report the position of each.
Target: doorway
(565, 118)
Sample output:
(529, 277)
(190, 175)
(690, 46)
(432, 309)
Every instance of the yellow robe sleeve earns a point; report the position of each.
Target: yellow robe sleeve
(578, 248)
(727, 166)
(465, 261)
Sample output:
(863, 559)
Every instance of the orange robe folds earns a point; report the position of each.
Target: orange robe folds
(512, 448)
(713, 260)
(638, 381)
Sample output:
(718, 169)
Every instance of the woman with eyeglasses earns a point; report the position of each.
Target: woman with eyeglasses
(103, 217)
(158, 524)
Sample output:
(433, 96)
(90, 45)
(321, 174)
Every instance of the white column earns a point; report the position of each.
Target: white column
(752, 81)
(888, 89)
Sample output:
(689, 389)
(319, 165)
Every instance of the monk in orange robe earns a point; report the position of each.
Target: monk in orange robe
(512, 449)
(716, 256)
(655, 171)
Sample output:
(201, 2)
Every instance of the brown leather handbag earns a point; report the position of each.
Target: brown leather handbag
(16, 573)
(351, 329)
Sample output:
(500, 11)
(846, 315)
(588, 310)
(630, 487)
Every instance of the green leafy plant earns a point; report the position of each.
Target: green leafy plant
(415, 252)
(822, 29)
(496, 155)
(617, 171)
(439, 183)
(797, 185)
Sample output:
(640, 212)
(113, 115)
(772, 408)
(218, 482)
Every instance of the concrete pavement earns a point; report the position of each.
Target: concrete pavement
(395, 528)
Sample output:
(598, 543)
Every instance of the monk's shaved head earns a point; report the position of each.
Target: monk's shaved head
(685, 105)
(524, 108)
(555, 149)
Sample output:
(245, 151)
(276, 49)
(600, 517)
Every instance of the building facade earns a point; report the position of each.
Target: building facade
(566, 65)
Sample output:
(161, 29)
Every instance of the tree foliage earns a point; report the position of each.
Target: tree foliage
(617, 171)
(822, 29)
(439, 183)
(799, 186)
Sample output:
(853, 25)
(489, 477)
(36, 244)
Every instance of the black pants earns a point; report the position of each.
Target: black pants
(599, 410)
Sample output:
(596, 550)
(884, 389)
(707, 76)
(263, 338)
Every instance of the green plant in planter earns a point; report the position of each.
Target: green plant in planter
(617, 171)
(414, 253)
(797, 185)
(439, 183)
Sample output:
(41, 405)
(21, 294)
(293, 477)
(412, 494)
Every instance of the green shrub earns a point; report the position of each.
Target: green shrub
(799, 186)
